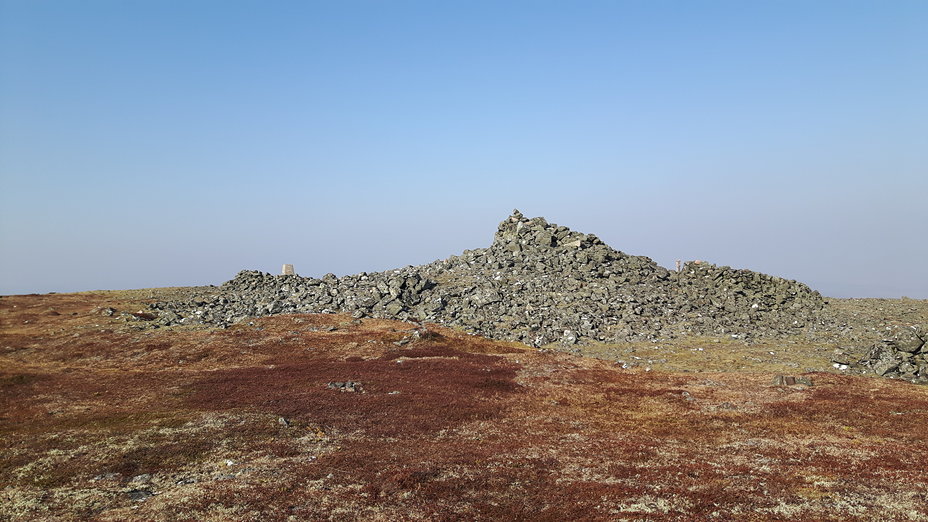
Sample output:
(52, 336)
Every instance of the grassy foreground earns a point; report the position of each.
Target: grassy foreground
(101, 419)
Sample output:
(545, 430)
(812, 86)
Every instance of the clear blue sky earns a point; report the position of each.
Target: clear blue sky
(165, 143)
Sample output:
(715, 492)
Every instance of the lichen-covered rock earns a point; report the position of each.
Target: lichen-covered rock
(907, 340)
(899, 355)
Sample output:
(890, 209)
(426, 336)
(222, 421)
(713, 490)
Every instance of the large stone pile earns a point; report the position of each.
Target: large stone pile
(902, 354)
(537, 283)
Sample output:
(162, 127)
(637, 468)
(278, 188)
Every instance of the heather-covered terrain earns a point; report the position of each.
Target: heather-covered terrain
(326, 416)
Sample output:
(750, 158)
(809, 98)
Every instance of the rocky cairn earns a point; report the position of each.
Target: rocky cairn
(537, 283)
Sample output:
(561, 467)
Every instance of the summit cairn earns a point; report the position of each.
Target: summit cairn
(537, 283)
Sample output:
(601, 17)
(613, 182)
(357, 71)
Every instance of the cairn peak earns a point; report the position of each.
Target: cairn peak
(518, 233)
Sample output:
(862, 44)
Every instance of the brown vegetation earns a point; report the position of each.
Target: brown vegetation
(103, 420)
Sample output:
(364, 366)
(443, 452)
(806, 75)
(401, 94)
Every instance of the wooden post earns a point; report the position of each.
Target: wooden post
(678, 265)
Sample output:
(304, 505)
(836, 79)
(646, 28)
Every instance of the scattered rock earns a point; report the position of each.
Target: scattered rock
(841, 357)
(142, 315)
(418, 334)
(900, 355)
(139, 494)
(789, 380)
(350, 386)
(141, 479)
(907, 340)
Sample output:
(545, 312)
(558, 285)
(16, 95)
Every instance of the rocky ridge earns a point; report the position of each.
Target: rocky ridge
(537, 283)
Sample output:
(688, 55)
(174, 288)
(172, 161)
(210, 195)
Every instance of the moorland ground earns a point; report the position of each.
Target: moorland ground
(323, 416)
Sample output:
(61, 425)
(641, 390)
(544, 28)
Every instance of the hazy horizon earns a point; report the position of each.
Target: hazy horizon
(174, 144)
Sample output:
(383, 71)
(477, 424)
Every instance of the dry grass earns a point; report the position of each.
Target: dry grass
(451, 427)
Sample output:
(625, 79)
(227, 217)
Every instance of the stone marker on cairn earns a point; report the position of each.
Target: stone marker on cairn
(287, 270)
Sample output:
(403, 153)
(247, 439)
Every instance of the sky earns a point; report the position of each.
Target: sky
(174, 143)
